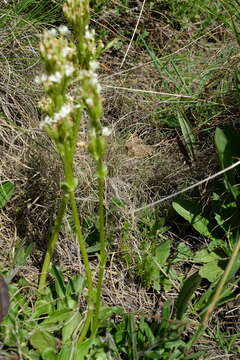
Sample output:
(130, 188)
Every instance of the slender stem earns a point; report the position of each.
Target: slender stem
(81, 242)
(52, 243)
(102, 260)
(83, 250)
(69, 177)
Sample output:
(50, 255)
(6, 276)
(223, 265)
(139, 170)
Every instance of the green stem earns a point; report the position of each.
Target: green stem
(52, 243)
(68, 171)
(81, 242)
(83, 250)
(102, 255)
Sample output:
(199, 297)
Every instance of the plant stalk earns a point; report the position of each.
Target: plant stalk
(52, 243)
(102, 259)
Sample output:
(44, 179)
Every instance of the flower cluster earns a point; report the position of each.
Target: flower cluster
(59, 55)
(77, 14)
(67, 62)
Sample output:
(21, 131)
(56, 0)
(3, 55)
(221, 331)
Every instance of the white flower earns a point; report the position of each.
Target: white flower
(83, 74)
(63, 30)
(37, 80)
(56, 78)
(69, 70)
(89, 101)
(64, 112)
(89, 34)
(98, 88)
(66, 51)
(93, 81)
(94, 65)
(52, 32)
(46, 121)
(106, 131)
(40, 79)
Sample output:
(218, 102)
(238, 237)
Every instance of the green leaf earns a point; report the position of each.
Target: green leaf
(205, 256)
(66, 352)
(187, 133)
(191, 212)
(211, 271)
(42, 340)
(184, 252)
(22, 253)
(133, 336)
(227, 295)
(83, 349)
(41, 307)
(58, 316)
(59, 281)
(71, 326)
(162, 252)
(6, 192)
(49, 354)
(189, 287)
(146, 330)
(223, 141)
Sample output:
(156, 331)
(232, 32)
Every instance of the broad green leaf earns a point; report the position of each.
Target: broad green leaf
(66, 352)
(83, 349)
(189, 287)
(6, 192)
(71, 326)
(205, 256)
(49, 354)
(74, 289)
(58, 316)
(41, 307)
(32, 354)
(22, 253)
(42, 340)
(162, 252)
(211, 271)
(183, 253)
(192, 212)
(167, 285)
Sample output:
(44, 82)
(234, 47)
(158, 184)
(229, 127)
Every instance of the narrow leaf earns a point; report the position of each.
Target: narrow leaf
(223, 140)
(189, 287)
(187, 133)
